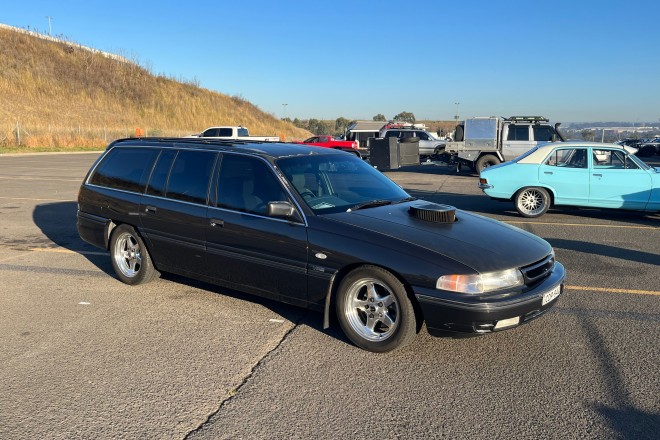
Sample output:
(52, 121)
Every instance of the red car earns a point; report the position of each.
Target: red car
(330, 142)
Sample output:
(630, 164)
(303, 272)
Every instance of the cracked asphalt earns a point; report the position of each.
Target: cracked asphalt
(84, 356)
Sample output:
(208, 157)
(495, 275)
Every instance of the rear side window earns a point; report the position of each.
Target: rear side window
(518, 133)
(568, 158)
(225, 132)
(190, 175)
(161, 171)
(125, 168)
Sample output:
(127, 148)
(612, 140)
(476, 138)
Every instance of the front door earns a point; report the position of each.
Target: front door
(566, 172)
(617, 181)
(246, 248)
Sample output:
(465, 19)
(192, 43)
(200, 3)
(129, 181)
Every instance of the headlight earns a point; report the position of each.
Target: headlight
(481, 283)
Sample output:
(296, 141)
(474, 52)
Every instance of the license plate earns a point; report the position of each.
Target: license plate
(549, 296)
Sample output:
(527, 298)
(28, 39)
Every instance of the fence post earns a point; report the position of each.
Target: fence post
(18, 134)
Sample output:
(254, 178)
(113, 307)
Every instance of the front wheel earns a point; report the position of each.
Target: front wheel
(374, 310)
(130, 258)
(532, 202)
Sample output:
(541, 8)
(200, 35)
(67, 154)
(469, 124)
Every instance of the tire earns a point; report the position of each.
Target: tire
(130, 257)
(374, 310)
(485, 161)
(532, 202)
(458, 133)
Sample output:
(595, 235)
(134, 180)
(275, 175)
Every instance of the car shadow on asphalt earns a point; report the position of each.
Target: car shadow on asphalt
(620, 412)
(482, 204)
(57, 221)
(605, 250)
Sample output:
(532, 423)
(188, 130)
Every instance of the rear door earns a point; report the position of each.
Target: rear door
(246, 248)
(516, 140)
(174, 209)
(566, 172)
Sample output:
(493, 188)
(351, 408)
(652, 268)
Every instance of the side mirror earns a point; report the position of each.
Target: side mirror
(281, 209)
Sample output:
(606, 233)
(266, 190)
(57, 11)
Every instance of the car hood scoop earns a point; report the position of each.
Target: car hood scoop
(433, 212)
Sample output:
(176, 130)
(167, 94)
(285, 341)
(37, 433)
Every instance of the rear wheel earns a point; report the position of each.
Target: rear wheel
(374, 310)
(130, 258)
(532, 202)
(485, 161)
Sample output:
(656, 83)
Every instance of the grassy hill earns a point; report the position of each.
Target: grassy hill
(59, 95)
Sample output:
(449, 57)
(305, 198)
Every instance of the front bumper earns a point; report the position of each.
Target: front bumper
(453, 312)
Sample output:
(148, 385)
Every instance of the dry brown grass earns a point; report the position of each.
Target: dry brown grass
(63, 96)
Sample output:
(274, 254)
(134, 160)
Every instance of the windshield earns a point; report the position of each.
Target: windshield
(643, 165)
(339, 182)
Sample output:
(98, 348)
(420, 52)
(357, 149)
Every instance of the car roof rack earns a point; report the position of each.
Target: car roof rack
(527, 119)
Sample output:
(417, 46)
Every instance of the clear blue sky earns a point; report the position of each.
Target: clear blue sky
(569, 60)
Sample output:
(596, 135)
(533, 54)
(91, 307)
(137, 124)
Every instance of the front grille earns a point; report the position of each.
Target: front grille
(537, 271)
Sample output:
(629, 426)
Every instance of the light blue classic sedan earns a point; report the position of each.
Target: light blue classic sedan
(574, 173)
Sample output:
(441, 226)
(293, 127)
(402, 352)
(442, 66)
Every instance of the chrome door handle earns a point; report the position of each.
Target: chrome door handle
(216, 222)
(598, 175)
(547, 172)
(151, 209)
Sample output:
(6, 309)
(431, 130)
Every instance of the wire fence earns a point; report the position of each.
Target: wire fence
(17, 134)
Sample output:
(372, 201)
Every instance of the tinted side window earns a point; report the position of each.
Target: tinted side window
(211, 132)
(543, 133)
(518, 133)
(247, 184)
(225, 132)
(161, 171)
(190, 175)
(125, 168)
(392, 133)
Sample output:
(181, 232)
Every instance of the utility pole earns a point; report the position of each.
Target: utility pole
(456, 115)
(50, 29)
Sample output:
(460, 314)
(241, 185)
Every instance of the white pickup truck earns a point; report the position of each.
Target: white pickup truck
(232, 132)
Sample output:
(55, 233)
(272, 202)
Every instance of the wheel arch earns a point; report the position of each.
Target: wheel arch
(550, 190)
(338, 276)
(109, 227)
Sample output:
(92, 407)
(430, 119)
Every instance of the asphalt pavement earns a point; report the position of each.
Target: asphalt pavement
(84, 356)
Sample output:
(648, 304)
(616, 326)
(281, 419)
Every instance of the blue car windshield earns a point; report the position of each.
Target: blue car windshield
(331, 183)
(643, 165)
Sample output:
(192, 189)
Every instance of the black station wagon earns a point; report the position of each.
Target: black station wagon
(316, 228)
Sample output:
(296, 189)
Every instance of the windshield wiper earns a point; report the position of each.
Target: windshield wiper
(407, 199)
(369, 204)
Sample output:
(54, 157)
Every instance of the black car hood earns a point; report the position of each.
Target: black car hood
(476, 241)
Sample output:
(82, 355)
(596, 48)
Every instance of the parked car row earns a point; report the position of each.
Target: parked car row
(646, 147)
